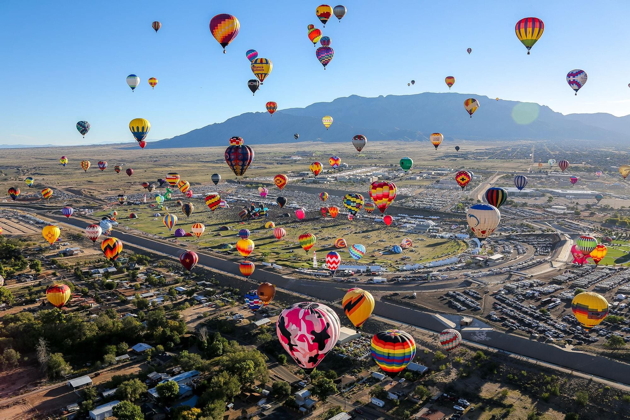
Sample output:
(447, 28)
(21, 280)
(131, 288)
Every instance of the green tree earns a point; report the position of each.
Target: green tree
(249, 366)
(581, 397)
(141, 303)
(56, 366)
(10, 359)
(186, 413)
(422, 392)
(578, 291)
(191, 361)
(282, 359)
(263, 338)
(6, 296)
(281, 390)
(332, 412)
(215, 410)
(90, 393)
(438, 356)
(109, 359)
(167, 391)
(126, 410)
(222, 387)
(615, 342)
(323, 387)
(36, 266)
(131, 390)
(122, 348)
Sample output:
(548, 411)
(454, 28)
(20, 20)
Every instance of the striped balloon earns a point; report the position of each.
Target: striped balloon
(333, 259)
(244, 233)
(224, 29)
(586, 244)
(279, 233)
(369, 207)
(58, 294)
(251, 55)
(172, 179)
(252, 300)
(589, 309)
(111, 248)
(358, 305)
(496, 196)
(529, 30)
(450, 339)
(393, 350)
(307, 241)
(197, 229)
(213, 201)
(245, 247)
(47, 193)
(333, 211)
(406, 243)
(340, 243)
(247, 268)
(357, 251)
(183, 185)
(563, 165)
(325, 55)
(383, 194)
(169, 221)
(520, 182)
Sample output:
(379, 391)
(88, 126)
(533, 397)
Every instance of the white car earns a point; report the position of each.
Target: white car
(265, 406)
(463, 402)
(458, 408)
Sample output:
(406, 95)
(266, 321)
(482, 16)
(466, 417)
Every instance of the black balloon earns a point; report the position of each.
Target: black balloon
(253, 85)
(281, 201)
(457, 148)
(215, 178)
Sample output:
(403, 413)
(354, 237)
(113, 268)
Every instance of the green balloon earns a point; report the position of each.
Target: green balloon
(406, 163)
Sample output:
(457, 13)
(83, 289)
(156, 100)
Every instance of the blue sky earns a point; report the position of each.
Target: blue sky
(65, 61)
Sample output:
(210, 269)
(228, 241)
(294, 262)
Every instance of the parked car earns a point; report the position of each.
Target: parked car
(458, 408)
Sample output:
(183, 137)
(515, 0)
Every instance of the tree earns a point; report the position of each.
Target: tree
(249, 366)
(377, 391)
(281, 390)
(109, 359)
(422, 392)
(438, 356)
(6, 296)
(42, 353)
(332, 412)
(282, 359)
(141, 303)
(215, 409)
(122, 348)
(615, 342)
(131, 390)
(190, 361)
(186, 413)
(222, 387)
(168, 390)
(324, 387)
(571, 416)
(10, 359)
(581, 397)
(56, 366)
(36, 266)
(126, 410)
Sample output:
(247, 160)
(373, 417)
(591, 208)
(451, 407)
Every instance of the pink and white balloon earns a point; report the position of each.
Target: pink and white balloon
(333, 259)
(450, 339)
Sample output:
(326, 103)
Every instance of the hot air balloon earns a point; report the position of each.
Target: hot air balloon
(314, 34)
(333, 259)
(183, 185)
(263, 192)
(340, 12)
(247, 268)
(457, 148)
(156, 26)
(300, 214)
(67, 211)
(212, 201)
(93, 232)
(334, 162)
(122, 198)
(63, 160)
(105, 225)
(333, 211)
(624, 171)
(551, 162)
(436, 139)
(563, 165)
(187, 209)
(271, 107)
(83, 127)
(353, 202)
(47, 193)
(172, 179)
(239, 158)
(112, 248)
(325, 55)
(117, 169)
(496, 196)
(599, 197)
(483, 219)
(296, 136)
(406, 243)
(261, 67)
(251, 55)
(153, 82)
(393, 350)
(169, 221)
(133, 81)
(586, 244)
(281, 181)
(450, 339)
(279, 233)
(340, 243)
(102, 165)
(253, 85)
(281, 201)
(307, 241)
(224, 29)
(357, 251)
(358, 305)
(576, 79)
(216, 178)
(406, 163)
(139, 128)
(324, 12)
(359, 141)
(14, 193)
(388, 220)
(469, 50)
(270, 225)
(574, 180)
(327, 121)
(85, 165)
(244, 233)
(266, 292)
(245, 247)
(58, 294)
(450, 81)
(323, 196)
(29, 180)
(529, 30)
(308, 331)
(197, 229)
(189, 259)
(51, 233)
(252, 300)
(520, 182)
(316, 168)
(463, 178)
(383, 194)
(589, 309)
(471, 105)
(598, 253)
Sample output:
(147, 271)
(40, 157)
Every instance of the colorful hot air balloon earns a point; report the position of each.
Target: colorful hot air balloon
(261, 67)
(29, 180)
(51, 233)
(281, 181)
(529, 30)
(197, 229)
(483, 219)
(271, 107)
(393, 350)
(563, 165)
(471, 105)
(325, 55)
(589, 309)
(586, 244)
(436, 139)
(14, 193)
(353, 202)
(172, 179)
(520, 182)
(239, 158)
(574, 180)
(358, 305)
(47, 193)
(253, 85)
(279, 233)
(383, 194)
(300, 213)
(334, 162)
(450, 81)
(102, 165)
(333, 211)
(463, 178)
(496, 196)
(169, 220)
(263, 192)
(58, 294)
(112, 248)
(117, 169)
(93, 232)
(406, 243)
(357, 251)
(156, 26)
(215, 178)
(212, 201)
(251, 55)
(576, 79)
(450, 339)
(598, 253)
(63, 160)
(183, 185)
(189, 259)
(244, 233)
(85, 165)
(252, 300)
(270, 225)
(340, 12)
(406, 163)
(624, 171)
(247, 268)
(324, 12)
(245, 247)
(187, 209)
(333, 260)
(316, 168)
(266, 292)
(224, 29)
(133, 81)
(122, 198)
(314, 34)
(307, 241)
(83, 127)
(340, 243)
(327, 121)
(67, 211)
(281, 201)
(139, 128)
(308, 331)
(359, 141)
(153, 82)
(323, 196)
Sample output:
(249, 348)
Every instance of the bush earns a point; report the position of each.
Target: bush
(581, 398)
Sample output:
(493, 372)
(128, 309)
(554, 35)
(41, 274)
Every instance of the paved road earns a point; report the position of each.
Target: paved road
(586, 363)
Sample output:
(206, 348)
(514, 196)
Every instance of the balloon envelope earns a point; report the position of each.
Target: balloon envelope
(589, 308)
(393, 350)
(358, 305)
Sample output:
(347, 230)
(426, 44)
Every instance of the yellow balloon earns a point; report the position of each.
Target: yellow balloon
(261, 67)
(140, 128)
(589, 309)
(51, 233)
(624, 171)
(358, 305)
(327, 121)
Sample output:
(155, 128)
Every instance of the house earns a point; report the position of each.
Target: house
(152, 411)
(414, 367)
(262, 322)
(341, 416)
(103, 411)
(302, 395)
(141, 348)
(200, 299)
(162, 359)
(80, 382)
(345, 382)
(184, 380)
(155, 377)
(122, 358)
(180, 289)
(347, 335)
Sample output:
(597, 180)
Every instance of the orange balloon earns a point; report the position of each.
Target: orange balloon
(281, 180)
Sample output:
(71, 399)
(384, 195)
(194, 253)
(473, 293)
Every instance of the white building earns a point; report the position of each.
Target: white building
(103, 411)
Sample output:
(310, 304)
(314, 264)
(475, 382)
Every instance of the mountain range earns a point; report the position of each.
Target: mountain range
(409, 117)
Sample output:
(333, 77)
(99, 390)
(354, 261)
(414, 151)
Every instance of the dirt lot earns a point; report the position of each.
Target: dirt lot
(13, 227)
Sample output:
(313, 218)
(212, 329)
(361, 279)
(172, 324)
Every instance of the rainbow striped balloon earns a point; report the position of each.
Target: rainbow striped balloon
(357, 251)
(393, 350)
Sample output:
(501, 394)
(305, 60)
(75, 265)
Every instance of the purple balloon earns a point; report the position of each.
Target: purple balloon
(180, 232)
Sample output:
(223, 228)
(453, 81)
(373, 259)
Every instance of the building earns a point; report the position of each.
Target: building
(262, 322)
(465, 321)
(414, 367)
(141, 348)
(80, 382)
(347, 335)
(341, 416)
(184, 380)
(103, 411)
